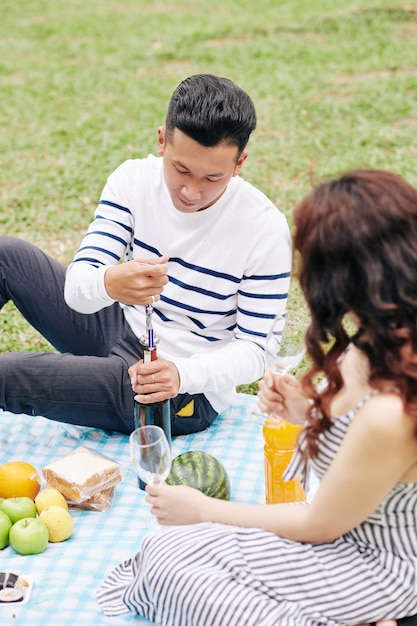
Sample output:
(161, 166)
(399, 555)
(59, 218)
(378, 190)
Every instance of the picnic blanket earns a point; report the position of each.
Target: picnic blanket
(66, 576)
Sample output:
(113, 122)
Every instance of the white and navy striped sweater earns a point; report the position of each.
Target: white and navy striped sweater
(229, 269)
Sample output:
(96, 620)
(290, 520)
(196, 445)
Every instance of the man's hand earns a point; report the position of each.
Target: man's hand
(154, 381)
(135, 282)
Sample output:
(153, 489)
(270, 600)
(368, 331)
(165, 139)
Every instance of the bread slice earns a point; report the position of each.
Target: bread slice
(82, 474)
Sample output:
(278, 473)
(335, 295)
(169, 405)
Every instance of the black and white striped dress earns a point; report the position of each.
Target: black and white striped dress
(218, 575)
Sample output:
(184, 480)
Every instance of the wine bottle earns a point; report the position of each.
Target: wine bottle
(155, 413)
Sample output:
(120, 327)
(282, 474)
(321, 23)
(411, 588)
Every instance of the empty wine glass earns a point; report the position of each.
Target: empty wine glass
(151, 457)
(285, 344)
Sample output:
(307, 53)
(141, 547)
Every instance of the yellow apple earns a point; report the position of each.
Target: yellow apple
(50, 497)
(59, 523)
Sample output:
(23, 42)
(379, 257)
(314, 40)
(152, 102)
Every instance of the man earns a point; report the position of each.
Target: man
(207, 249)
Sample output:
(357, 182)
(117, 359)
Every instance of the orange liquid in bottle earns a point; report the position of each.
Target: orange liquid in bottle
(280, 443)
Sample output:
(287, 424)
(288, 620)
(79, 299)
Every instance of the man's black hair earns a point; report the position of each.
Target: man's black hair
(211, 109)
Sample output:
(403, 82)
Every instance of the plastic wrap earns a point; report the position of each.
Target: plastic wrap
(85, 478)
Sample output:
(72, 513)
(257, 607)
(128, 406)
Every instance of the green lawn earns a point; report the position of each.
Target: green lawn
(84, 85)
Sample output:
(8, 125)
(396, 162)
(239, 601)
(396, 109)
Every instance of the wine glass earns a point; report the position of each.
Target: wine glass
(285, 344)
(151, 457)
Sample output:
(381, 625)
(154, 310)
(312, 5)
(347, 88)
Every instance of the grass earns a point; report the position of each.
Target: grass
(85, 85)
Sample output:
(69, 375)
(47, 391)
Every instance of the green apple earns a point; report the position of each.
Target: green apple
(5, 526)
(18, 508)
(29, 536)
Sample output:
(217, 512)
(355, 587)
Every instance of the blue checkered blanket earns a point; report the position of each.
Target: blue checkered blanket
(66, 576)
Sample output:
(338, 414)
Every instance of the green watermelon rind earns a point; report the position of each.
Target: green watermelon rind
(202, 471)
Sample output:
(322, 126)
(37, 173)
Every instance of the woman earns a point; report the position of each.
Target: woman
(350, 556)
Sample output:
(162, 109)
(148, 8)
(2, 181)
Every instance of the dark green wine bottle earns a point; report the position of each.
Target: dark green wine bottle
(155, 413)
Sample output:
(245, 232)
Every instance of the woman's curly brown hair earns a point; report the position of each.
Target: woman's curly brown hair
(357, 242)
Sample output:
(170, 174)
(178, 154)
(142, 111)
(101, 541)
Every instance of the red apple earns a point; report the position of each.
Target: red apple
(29, 536)
(18, 508)
(5, 526)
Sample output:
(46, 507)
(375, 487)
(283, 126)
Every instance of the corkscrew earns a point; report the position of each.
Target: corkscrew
(149, 329)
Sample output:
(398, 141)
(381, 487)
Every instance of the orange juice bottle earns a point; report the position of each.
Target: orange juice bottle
(280, 442)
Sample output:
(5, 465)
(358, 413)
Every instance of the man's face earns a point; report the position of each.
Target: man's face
(196, 175)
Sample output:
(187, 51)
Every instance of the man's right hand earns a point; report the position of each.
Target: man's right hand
(135, 282)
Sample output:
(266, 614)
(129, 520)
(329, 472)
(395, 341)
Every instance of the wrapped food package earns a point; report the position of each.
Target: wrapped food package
(84, 477)
(101, 501)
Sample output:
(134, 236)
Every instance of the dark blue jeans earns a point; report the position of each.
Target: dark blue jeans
(87, 381)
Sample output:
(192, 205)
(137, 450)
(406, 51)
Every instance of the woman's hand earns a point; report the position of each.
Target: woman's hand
(283, 396)
(175, 505)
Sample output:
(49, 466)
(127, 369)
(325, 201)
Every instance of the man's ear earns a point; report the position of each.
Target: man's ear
(161, 141)
(240, 162)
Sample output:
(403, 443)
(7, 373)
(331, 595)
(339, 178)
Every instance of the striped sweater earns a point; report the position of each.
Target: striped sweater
(228, 270)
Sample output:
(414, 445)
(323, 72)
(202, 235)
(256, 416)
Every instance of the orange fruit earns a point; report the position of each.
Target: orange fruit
(18, 479)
